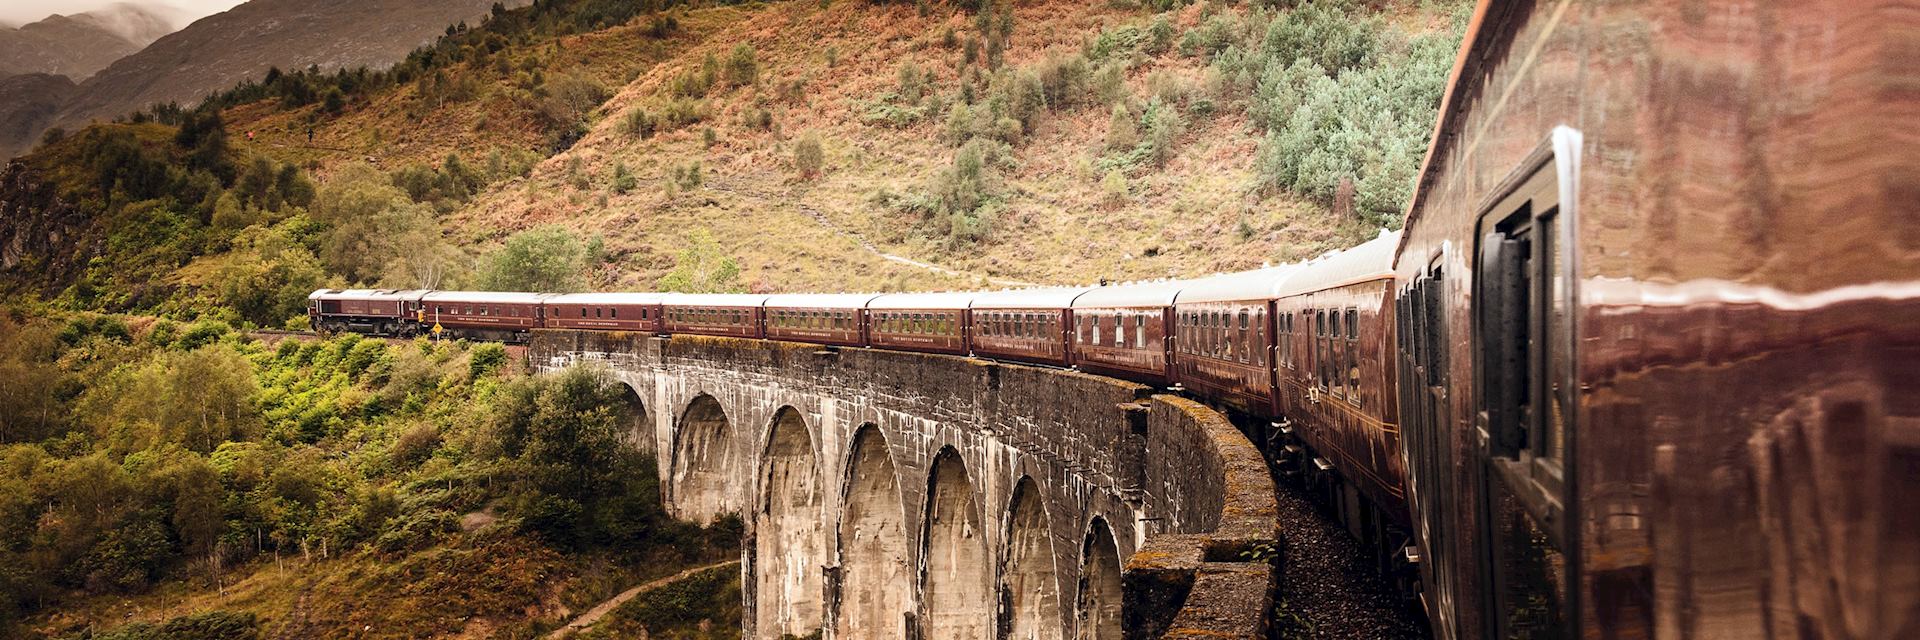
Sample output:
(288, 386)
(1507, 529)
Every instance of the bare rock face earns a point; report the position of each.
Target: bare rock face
(76, 46)
(40, 234)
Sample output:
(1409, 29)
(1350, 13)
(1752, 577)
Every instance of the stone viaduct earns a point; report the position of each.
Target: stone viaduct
(895, 495)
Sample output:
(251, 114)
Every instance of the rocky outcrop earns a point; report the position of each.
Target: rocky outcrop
(39, 232)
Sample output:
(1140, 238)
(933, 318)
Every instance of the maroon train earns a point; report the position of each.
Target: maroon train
(1645, 362)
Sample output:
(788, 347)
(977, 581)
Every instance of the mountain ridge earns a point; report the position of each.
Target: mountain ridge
(222, 50)
(81, 44)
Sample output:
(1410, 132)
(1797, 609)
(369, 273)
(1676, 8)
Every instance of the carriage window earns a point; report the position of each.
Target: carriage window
(1222, 347)
(1320, 349)
(1119, 331)
(1285, 338)
(1291, 362)
(1353, 350)
(1244, 343)
(1140, 331)
(1342, 353)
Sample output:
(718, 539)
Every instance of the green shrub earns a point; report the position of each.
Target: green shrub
(702, 267)
(1123, 129)
(808, 158)
(1113, 187)
(202, 333)
(1328, 33)
(546, 258)
(623, 180)
(485, 359)
(1159, 36)
(743, 65)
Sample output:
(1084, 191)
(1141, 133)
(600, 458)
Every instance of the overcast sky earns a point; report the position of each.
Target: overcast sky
(18, 12)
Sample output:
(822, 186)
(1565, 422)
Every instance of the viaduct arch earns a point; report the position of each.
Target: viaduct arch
(893, 495)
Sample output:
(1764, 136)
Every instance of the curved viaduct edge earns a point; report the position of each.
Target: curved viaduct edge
(1179, 486)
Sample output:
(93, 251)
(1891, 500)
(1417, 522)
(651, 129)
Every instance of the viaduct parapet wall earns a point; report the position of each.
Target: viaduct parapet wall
(900, 495)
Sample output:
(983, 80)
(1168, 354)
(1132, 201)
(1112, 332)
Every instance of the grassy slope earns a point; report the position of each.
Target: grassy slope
(1193, 216)
(483, 585)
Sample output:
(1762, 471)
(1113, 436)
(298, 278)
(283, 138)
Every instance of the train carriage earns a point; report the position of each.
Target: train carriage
(486, 315)
(640, 312)
(1223, 338)
(1025, 324)
(714, 314)
(1658, 350)
(1333, 321)
(826, 318)
(1124, 330)
(934, 322)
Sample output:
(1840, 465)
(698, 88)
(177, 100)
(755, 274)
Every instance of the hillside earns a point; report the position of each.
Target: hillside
(1059, 198)
(242, 43)
(795, 146)
(78, 45)
(187, 481)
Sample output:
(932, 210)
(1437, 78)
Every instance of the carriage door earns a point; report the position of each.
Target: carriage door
(1523, 336)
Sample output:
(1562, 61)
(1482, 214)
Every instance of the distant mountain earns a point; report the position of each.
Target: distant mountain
(221, 50)
(28, 103)
(76, 46)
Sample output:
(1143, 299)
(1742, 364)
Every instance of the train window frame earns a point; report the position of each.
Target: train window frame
(1521, 236)
(1336, 355)
(1525, 314)
(1353, 352)
(1320, 349)
(1293, 362)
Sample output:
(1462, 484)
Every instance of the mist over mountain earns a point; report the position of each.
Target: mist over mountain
(78, 45)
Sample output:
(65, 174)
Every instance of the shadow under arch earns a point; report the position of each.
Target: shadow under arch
(876, 586)
(957, 568)
(1097, 610)
(639, 428)
(704, 463)
(790, 537)
(1029, 584)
